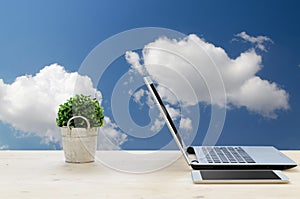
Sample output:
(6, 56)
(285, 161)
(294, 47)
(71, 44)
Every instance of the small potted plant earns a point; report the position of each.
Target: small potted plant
(79, 119)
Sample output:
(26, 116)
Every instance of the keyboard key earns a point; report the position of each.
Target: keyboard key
(226, 155)
(245, 155)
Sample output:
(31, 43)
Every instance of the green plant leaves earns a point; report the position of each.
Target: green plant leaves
(80, 105)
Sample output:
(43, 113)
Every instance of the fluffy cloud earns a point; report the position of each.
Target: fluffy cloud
(199, 63)
(134, 60)
(260, 96)
(110, 138)
(4, 147)
(138, 95)
(30, 103)
(257, 41)
(185, 123)
(158, 124)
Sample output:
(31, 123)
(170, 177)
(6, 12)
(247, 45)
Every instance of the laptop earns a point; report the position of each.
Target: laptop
(223, 157)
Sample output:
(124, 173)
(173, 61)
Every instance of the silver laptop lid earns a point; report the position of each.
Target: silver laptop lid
(157, 99)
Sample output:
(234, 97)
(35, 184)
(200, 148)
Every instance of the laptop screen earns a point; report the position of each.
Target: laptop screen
(167, 117)
(164, 109)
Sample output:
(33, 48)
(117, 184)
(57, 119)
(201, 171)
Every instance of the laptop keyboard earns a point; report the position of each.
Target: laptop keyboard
(215, 154)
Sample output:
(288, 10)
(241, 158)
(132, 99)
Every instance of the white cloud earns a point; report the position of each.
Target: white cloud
(170, 62)
(174, 113)
(110, 137)
(138, 95)
(260, 96)
(186, 124)
(257, 41)
(30, 103)
(158, 124)
(4, 147)
(134, 60)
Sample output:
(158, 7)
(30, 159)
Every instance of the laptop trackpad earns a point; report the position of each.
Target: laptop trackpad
(266, 155)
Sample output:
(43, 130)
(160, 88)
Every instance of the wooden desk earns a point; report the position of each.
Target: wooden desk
(44, 174)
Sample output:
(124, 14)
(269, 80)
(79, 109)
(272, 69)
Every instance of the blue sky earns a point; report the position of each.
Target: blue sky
(35, 34)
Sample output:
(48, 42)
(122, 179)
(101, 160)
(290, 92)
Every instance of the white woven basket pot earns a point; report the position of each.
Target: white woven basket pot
(79, 144)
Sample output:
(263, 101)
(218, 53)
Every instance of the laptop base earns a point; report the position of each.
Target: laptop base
(246, 166)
